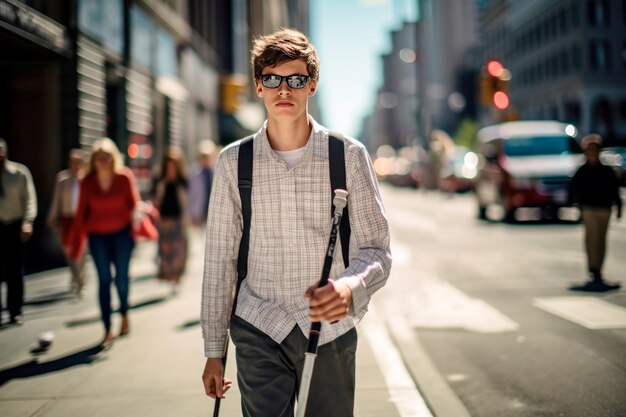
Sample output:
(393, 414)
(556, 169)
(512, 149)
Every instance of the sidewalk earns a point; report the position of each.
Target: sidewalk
(154, 371)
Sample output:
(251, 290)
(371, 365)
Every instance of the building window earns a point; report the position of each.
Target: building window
(563, 20)
(575, 15)
(564, 62)
(573, 112)
(598, 12)
(600, 55)
(576, 56)
(621, 108)
(556, 65)
(549, 68)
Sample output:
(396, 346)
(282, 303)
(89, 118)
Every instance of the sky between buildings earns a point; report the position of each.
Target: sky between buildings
(350, 36)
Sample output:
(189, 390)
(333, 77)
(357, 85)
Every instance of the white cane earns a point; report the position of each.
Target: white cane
(339, 201)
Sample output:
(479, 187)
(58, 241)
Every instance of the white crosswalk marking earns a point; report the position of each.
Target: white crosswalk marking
(436, 304)
(588, 312)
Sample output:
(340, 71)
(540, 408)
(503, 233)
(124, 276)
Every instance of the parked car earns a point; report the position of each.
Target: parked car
(396, 169)
(615, 157)
(526, 164)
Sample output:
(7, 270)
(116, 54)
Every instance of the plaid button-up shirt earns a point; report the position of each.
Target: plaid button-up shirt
(291, 215)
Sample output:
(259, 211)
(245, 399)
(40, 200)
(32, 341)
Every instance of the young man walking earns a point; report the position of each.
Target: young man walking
(291, 213)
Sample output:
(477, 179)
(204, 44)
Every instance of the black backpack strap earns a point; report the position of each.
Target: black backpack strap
(337, 167)
(244, 172)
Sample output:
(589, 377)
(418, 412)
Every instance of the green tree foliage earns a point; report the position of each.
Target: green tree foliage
(466, 133)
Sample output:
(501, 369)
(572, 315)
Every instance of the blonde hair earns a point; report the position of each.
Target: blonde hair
(105, 145)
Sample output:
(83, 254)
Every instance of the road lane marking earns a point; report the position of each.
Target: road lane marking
(588, 312)
(400, 385)
(437, 304)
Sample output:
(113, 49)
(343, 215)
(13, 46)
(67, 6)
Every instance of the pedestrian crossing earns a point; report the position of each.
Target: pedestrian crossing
(434, 303)
(588, 312)
(449, 308)
(441, 305)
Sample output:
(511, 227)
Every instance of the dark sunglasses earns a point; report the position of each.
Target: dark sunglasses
(293, 81)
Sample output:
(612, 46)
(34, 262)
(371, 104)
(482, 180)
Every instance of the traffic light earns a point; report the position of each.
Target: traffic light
(494, 85)
(501, 100)
(494, 68)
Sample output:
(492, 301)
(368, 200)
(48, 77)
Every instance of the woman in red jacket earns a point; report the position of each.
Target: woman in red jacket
(108, 196)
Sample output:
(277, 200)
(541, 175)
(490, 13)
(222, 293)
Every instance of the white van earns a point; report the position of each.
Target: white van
(526, 164)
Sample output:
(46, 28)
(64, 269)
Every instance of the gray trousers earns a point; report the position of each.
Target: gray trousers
(596, 221)
(269, 373)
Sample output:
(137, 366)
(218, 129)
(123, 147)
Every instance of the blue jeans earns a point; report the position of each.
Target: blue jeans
(112, 249)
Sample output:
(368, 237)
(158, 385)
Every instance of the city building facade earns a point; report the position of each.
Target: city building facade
(149, 74)
(567, 60)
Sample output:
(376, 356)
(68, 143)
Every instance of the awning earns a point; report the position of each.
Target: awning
(39, 29)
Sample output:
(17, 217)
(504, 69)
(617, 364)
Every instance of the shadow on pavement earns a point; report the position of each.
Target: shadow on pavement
(144, 277)
(188, 324)
(49, 299)
(149, 302)
(34, 368)
(95, 319)
(534, 223)
(82, 322)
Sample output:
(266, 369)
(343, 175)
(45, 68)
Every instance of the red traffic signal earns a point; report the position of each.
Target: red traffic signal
(495, 68)
(501, 100)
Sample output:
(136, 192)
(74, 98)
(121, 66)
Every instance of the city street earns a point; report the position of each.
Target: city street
(476, 320)
(489, 304)
(482, 119)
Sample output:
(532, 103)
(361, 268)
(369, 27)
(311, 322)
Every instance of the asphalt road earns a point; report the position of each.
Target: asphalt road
(490, 304)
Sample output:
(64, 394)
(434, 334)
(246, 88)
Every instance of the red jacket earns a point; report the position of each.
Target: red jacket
(103, 212)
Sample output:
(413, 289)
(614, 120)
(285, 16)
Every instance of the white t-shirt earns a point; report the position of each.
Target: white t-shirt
(291, 158)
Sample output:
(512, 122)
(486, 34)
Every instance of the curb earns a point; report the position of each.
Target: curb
(437, 394)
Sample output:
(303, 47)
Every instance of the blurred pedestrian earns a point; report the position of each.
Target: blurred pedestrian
(18, 209)
(63, 210)
(171, 201)
(595, 189)
(200, 183)
(108, 197)
(291, 212)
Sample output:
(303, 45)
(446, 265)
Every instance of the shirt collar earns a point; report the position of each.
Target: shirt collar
(317, 145)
